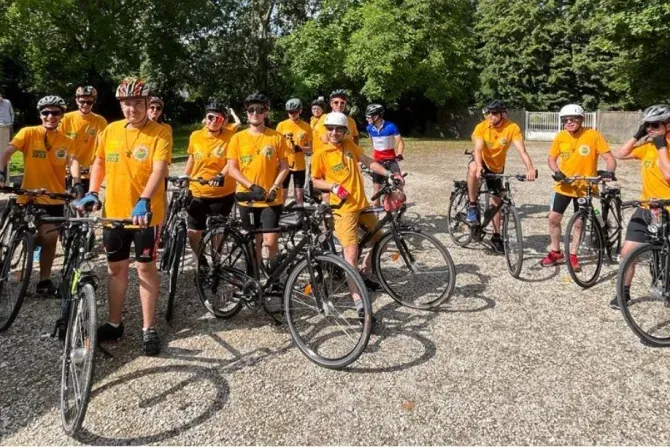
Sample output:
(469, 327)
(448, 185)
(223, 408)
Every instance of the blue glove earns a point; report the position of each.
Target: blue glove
(89, 202)
(142, 208)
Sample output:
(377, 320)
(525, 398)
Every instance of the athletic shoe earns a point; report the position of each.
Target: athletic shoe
(575, 263)
(151, 343)
(553, 258)
(473, 215)
(107, 332)
(498, 245)
(372, 285)
(46, 288)
(614, 304)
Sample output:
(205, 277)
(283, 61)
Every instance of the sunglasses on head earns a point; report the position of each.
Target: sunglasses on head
(336, 129)
(215, 118)
(652, 125)
(84, 102)
(257, 109)
(155, 107)
(51, 113)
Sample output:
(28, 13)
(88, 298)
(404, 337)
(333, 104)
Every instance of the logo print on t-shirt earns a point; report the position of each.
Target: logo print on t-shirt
(218, 151)
(503, 141)
(584, 150)
(267, 151)
(141, 153)
(91, 132)
(61, 153)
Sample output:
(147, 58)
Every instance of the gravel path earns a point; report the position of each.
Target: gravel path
(531, 361)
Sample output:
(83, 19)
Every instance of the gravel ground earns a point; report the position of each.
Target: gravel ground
(531, 361)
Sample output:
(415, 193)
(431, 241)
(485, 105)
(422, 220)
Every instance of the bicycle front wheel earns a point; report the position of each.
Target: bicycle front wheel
(415, 269)
(459, 230)
(15, 274)
(584, 249)
(322, 303)
(512, 235)
(78, 360)
(176, 254)
(647, 309)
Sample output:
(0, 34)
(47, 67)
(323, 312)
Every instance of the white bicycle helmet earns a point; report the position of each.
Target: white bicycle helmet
(336, 119)
(658, 113)
(571, 110)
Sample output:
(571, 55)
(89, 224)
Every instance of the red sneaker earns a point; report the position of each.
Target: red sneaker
(552, 258)
(575, 263)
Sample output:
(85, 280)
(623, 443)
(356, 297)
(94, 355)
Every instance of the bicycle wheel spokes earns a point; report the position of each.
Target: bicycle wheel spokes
(513, 241)
(322, 311)
(583, 244)
(15, 277)
(416, 269)
(456, 215)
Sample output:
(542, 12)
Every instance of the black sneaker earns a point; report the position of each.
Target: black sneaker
(361, 318)
(372, 285)
(107, 332)
(46, 288)
(151, 343)
(614, 304)
(498, 245)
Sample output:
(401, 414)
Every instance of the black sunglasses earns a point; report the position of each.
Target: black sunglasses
(51, 112)
(88, 103)
(155, 107)
(652, 125)
(258, 109)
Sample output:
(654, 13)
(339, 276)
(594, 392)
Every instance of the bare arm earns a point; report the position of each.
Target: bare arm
(97, 174)
(75, 170)
(479, 161)
(624, 152)
(6, 155)
(610, 161)
(523, 153)
(283, 172)
(399, 145)
(235, 173)
(374, 166)
(157, 177)
(552, 161)
(189, 166)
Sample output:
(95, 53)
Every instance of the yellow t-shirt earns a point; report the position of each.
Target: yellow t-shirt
(654, 185)
(258, 158)
(44, 161)
(129, 155)
(320, 135)
(170, 138)
(339, 164)
(497, 141)
(302, 136)
(209, 159)
(232, 126)
(314, 120)
(84, 130)
(577, 155)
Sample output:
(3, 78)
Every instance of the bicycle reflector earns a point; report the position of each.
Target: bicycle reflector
(308, 289)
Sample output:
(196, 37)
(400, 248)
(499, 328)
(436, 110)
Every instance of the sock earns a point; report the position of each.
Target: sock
(359, 304)
(114, 325)
(144, 329)
(473, 204)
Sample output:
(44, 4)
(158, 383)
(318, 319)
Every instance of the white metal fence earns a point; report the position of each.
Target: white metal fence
(543, 126)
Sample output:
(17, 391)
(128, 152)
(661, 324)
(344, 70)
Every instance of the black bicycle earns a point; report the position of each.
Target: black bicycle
(18, 226)
(592, 233)
(70, 212)
(643, 281)
(174, 234)
(462, 232)
(325, 301)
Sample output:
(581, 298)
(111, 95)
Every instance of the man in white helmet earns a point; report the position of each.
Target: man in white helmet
(575, 151)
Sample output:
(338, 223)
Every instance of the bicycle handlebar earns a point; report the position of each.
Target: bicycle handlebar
(36, 193)
(176, 180)
(652, 203)
(93, 220)
(519, 177)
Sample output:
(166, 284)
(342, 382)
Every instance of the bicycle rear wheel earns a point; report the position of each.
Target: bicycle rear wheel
(459, 230)
(178, 245)
(584, 239)
(78, 360)
(415, 269)
(321, 312)
(512, 235)
(15, 274)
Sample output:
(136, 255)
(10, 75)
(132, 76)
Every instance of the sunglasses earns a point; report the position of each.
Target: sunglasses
(336, 129)
(215, 118)
(371, 117)
(259, 110)
(652, 125)
(567, 119)
(88, 103)
(293, 112)
(156, 108)
(493, 113)
(51, 113)
(338, 103)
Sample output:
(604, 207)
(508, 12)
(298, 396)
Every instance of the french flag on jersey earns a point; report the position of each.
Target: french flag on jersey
(383, 140)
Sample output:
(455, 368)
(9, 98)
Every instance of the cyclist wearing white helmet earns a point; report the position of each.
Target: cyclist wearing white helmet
(83, 126)
(132, 155)
(575, 151)
(46, 151)
(649, 145)
(492, 138)
(298, 135)
(335, 169)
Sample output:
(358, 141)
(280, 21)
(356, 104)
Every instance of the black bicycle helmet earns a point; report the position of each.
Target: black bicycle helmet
(374, 110)
(497, 105)
(257, 98)
(216, 106)
(339, 93)
(319, 102)
(51, 100)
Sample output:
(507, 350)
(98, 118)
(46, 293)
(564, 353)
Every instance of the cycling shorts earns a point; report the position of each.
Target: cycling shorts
(391, 165)
(298, 179)
(117, 242)
(559, 203)
(201, 207)
(266, 217)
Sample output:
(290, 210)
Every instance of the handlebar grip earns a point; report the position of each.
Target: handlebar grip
(248, 197)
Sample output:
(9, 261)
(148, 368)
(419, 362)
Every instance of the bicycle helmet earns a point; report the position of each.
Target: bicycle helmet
(319, 102)
(497, 105)
(374, 110)
(51, 100)
(86, 90)
(571, 110)
(658, 113)
(257, 98)
(293, 104)
(218, 107)
(156, 100)
(132, 88)
(339, 93)
(336, 119)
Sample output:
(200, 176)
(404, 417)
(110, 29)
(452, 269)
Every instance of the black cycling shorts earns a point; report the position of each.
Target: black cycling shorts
(52, 210)
(638, 226)
(559, 203)
(266, 217)
(201, 207)
(117, 242)
(492, 184)
(298, 179)
(391, 165)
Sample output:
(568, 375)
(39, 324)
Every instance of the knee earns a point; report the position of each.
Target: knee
(145, 268)
(118, 270)
(555, 219)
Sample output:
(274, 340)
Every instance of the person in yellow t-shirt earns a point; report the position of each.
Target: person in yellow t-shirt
(339, 99)
(318, 109)
(83, 126)
(299, 138)
(257, 161)
(132, 155)
(46, 151)
(492, 139)
(335, 169)
(574, 151)
(155, 113)
(649, 145)
(207, 150)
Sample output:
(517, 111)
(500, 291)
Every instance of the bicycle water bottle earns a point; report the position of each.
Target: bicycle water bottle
(37, 253)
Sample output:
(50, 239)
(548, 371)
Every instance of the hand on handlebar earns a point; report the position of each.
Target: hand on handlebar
(339, 191)
(257, 192)
(272, 195)
(479, 172)
(142, 213)
(396, 179)
(399, 157)
(558, 176)
(217, 180)
(530, 175)
(89, 203)
(183, 181)
(77, 190)
(607, 175)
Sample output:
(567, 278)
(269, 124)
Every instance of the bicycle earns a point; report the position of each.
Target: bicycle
(18, 226)
(77, 325)
(318, 293)
(462, 232)
(69, 212)
(174, 235)
(645, 301)
(592, 233)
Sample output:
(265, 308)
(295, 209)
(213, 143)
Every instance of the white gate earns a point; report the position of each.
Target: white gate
(543, 126)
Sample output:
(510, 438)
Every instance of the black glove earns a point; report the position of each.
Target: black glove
(217, 180)
(257, 192)
(77, 190)
(558, 176)
(659, 142)
(641, 132)
(399, 157)
(272, 195)
(607, 175)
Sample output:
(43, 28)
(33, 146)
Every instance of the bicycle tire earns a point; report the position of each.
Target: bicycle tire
(208, 277)
(11, 305)
(399, 287)
(655, 287)
(514, 266)
(83, 317)
(292, 309)
(176, 254)
(456, 214)
(594, 243)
